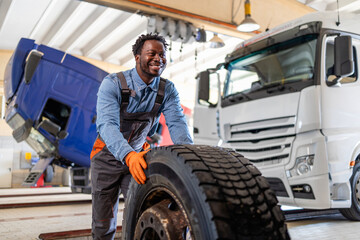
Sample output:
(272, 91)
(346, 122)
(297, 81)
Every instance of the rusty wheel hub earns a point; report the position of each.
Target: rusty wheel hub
(163, 220)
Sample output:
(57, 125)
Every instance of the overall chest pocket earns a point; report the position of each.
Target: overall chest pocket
(135, 132)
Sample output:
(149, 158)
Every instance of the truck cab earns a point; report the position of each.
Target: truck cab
(51, 104)
(286, 100)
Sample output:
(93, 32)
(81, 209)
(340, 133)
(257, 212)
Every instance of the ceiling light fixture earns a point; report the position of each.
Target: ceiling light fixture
(216, 42)
(248, 24)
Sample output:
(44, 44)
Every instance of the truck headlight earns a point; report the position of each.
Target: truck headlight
(303, 165)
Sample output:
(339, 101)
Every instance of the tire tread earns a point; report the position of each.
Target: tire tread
(240, 198)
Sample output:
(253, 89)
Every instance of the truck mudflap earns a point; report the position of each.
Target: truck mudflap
(201, 192)
(37, 171)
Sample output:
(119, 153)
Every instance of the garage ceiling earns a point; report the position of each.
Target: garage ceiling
(105, 29)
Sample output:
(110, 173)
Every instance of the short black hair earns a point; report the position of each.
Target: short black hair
(137, 47)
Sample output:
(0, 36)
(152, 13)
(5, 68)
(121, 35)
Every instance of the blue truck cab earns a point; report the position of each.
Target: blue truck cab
(51, 104)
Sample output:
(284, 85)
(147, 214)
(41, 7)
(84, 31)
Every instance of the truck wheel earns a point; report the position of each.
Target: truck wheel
(49, 174)
(353, 213)
(201, 192)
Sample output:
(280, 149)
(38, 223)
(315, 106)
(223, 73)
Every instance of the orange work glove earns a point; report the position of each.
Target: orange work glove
(146, 146)
(136, 163)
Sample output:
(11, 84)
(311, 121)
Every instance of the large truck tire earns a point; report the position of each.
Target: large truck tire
(201, 193)
(353, 213)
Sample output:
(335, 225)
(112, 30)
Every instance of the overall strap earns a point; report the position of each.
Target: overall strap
(125, 91)
(160, 95)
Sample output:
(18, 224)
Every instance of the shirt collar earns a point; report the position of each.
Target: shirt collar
(139, 83)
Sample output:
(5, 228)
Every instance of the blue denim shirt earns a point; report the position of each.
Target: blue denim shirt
(108, 111)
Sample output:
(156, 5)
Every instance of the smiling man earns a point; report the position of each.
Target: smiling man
(128, 108)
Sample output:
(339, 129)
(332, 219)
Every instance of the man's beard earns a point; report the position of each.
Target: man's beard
(145, 68)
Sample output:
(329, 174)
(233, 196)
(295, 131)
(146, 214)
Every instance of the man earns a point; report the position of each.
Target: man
(128, 109)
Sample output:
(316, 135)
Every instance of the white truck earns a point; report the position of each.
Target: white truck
(288, 100)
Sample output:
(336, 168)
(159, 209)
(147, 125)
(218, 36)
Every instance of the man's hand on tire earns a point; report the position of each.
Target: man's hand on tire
(136, 163)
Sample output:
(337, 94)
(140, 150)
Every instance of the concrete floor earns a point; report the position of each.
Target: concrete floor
(330, 228)
(29, 222)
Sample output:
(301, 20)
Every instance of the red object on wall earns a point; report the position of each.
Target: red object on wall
(40, 182)
(166, 139)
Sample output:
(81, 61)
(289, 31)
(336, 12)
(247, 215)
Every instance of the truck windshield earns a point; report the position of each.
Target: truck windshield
(279, 65)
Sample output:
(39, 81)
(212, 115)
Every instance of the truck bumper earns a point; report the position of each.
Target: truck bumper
(307, 192)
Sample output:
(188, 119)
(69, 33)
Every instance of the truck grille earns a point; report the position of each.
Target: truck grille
(264, 142)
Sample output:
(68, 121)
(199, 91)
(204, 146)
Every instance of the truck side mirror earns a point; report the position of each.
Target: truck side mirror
(32, 62)
(49, 126)
(344, 63)
(204, 86)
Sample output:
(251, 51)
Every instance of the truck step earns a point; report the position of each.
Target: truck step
(31, 179)
(37, 171)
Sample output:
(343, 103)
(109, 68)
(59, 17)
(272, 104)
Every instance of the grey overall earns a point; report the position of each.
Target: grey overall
(109, 175)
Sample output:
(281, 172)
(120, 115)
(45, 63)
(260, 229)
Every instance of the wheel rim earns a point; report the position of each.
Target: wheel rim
(165, 220)
(357, 188)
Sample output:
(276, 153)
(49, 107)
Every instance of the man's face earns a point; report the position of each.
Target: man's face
(151, 62)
